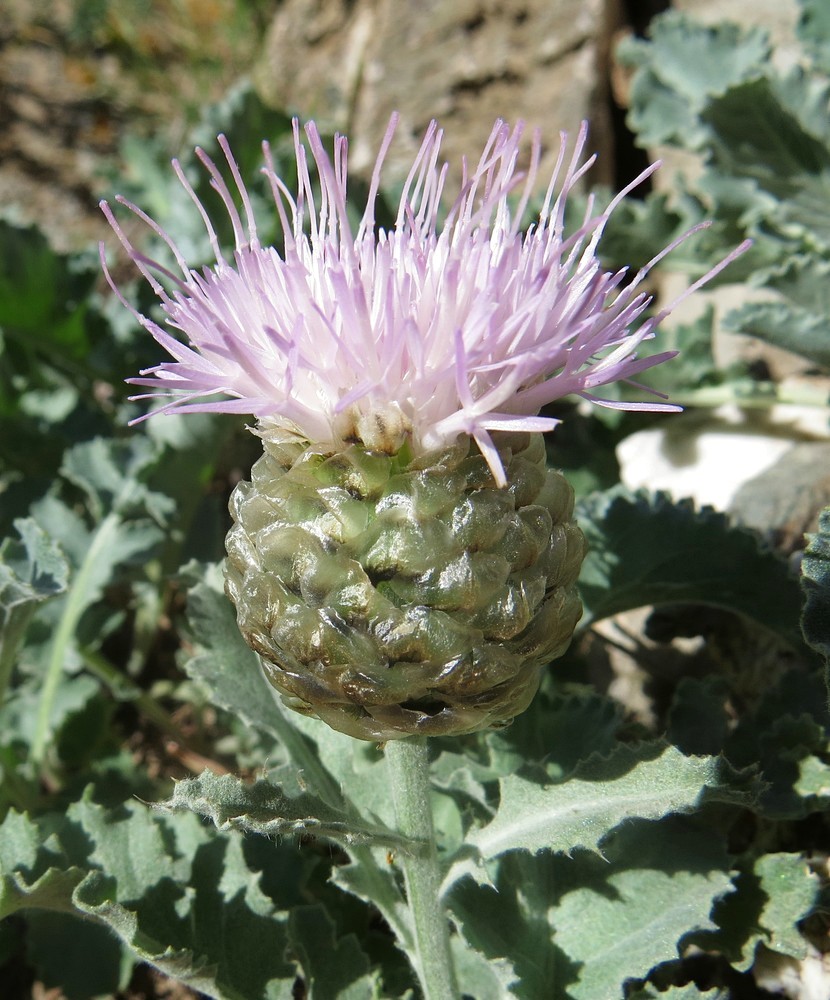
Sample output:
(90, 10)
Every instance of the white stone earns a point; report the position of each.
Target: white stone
(707, 458)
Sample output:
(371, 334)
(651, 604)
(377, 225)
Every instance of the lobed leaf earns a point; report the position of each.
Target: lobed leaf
(635, 914)
(771, 896)
(344, 776)
(578, 927)
(94, 557)
(262, 807)
(508, 922)
(792, 892)
(683, 65)
(560, 730)
(31, 571)
(757, 132)
(111, 473)
(31, 873)
(648, 781)
(787, 738)
(175, 893)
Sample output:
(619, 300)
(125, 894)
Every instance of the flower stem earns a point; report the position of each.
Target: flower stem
(407, 761)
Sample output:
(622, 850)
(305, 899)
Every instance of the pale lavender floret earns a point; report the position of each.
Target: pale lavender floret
(466, 330)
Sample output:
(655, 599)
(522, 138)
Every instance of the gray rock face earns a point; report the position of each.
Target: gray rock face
(465, 62)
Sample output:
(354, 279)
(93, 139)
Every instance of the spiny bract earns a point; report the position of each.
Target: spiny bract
(390, 597)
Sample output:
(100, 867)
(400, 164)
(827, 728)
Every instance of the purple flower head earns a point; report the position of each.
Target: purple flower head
(420, 333)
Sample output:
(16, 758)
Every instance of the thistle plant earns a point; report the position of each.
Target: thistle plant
(663, 837)
(402, 560)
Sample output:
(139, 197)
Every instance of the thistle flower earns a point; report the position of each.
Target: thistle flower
(402, 559)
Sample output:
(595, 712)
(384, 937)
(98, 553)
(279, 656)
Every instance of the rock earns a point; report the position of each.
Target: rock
(770, 471)
(465, 62)
(785, 500)
(706, 456)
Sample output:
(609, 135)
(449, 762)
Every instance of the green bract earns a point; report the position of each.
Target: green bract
(390, 596)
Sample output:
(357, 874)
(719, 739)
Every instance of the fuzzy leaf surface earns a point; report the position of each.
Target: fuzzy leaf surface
(660, 885)
(578, 927)
(31, 571)
(649, 781)
(769, 900)
(792, 891)
(262, 807)
(32, 875)
(482, 977)
(508, 922)
(176, 893)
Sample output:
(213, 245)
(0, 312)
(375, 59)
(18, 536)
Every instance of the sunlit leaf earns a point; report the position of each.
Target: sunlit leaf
(648, 782)
(578, 927)
(771, 896)
(261, 807)
(683, 66)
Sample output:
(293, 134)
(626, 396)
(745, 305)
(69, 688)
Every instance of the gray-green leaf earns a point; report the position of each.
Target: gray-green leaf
(262, 807)
(649, 781)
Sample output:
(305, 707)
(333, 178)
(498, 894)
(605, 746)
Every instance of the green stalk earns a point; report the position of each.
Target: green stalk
(408, 766)
(76, 601)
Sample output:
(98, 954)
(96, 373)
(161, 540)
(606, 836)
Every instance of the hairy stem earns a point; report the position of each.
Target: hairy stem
(408, 766)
